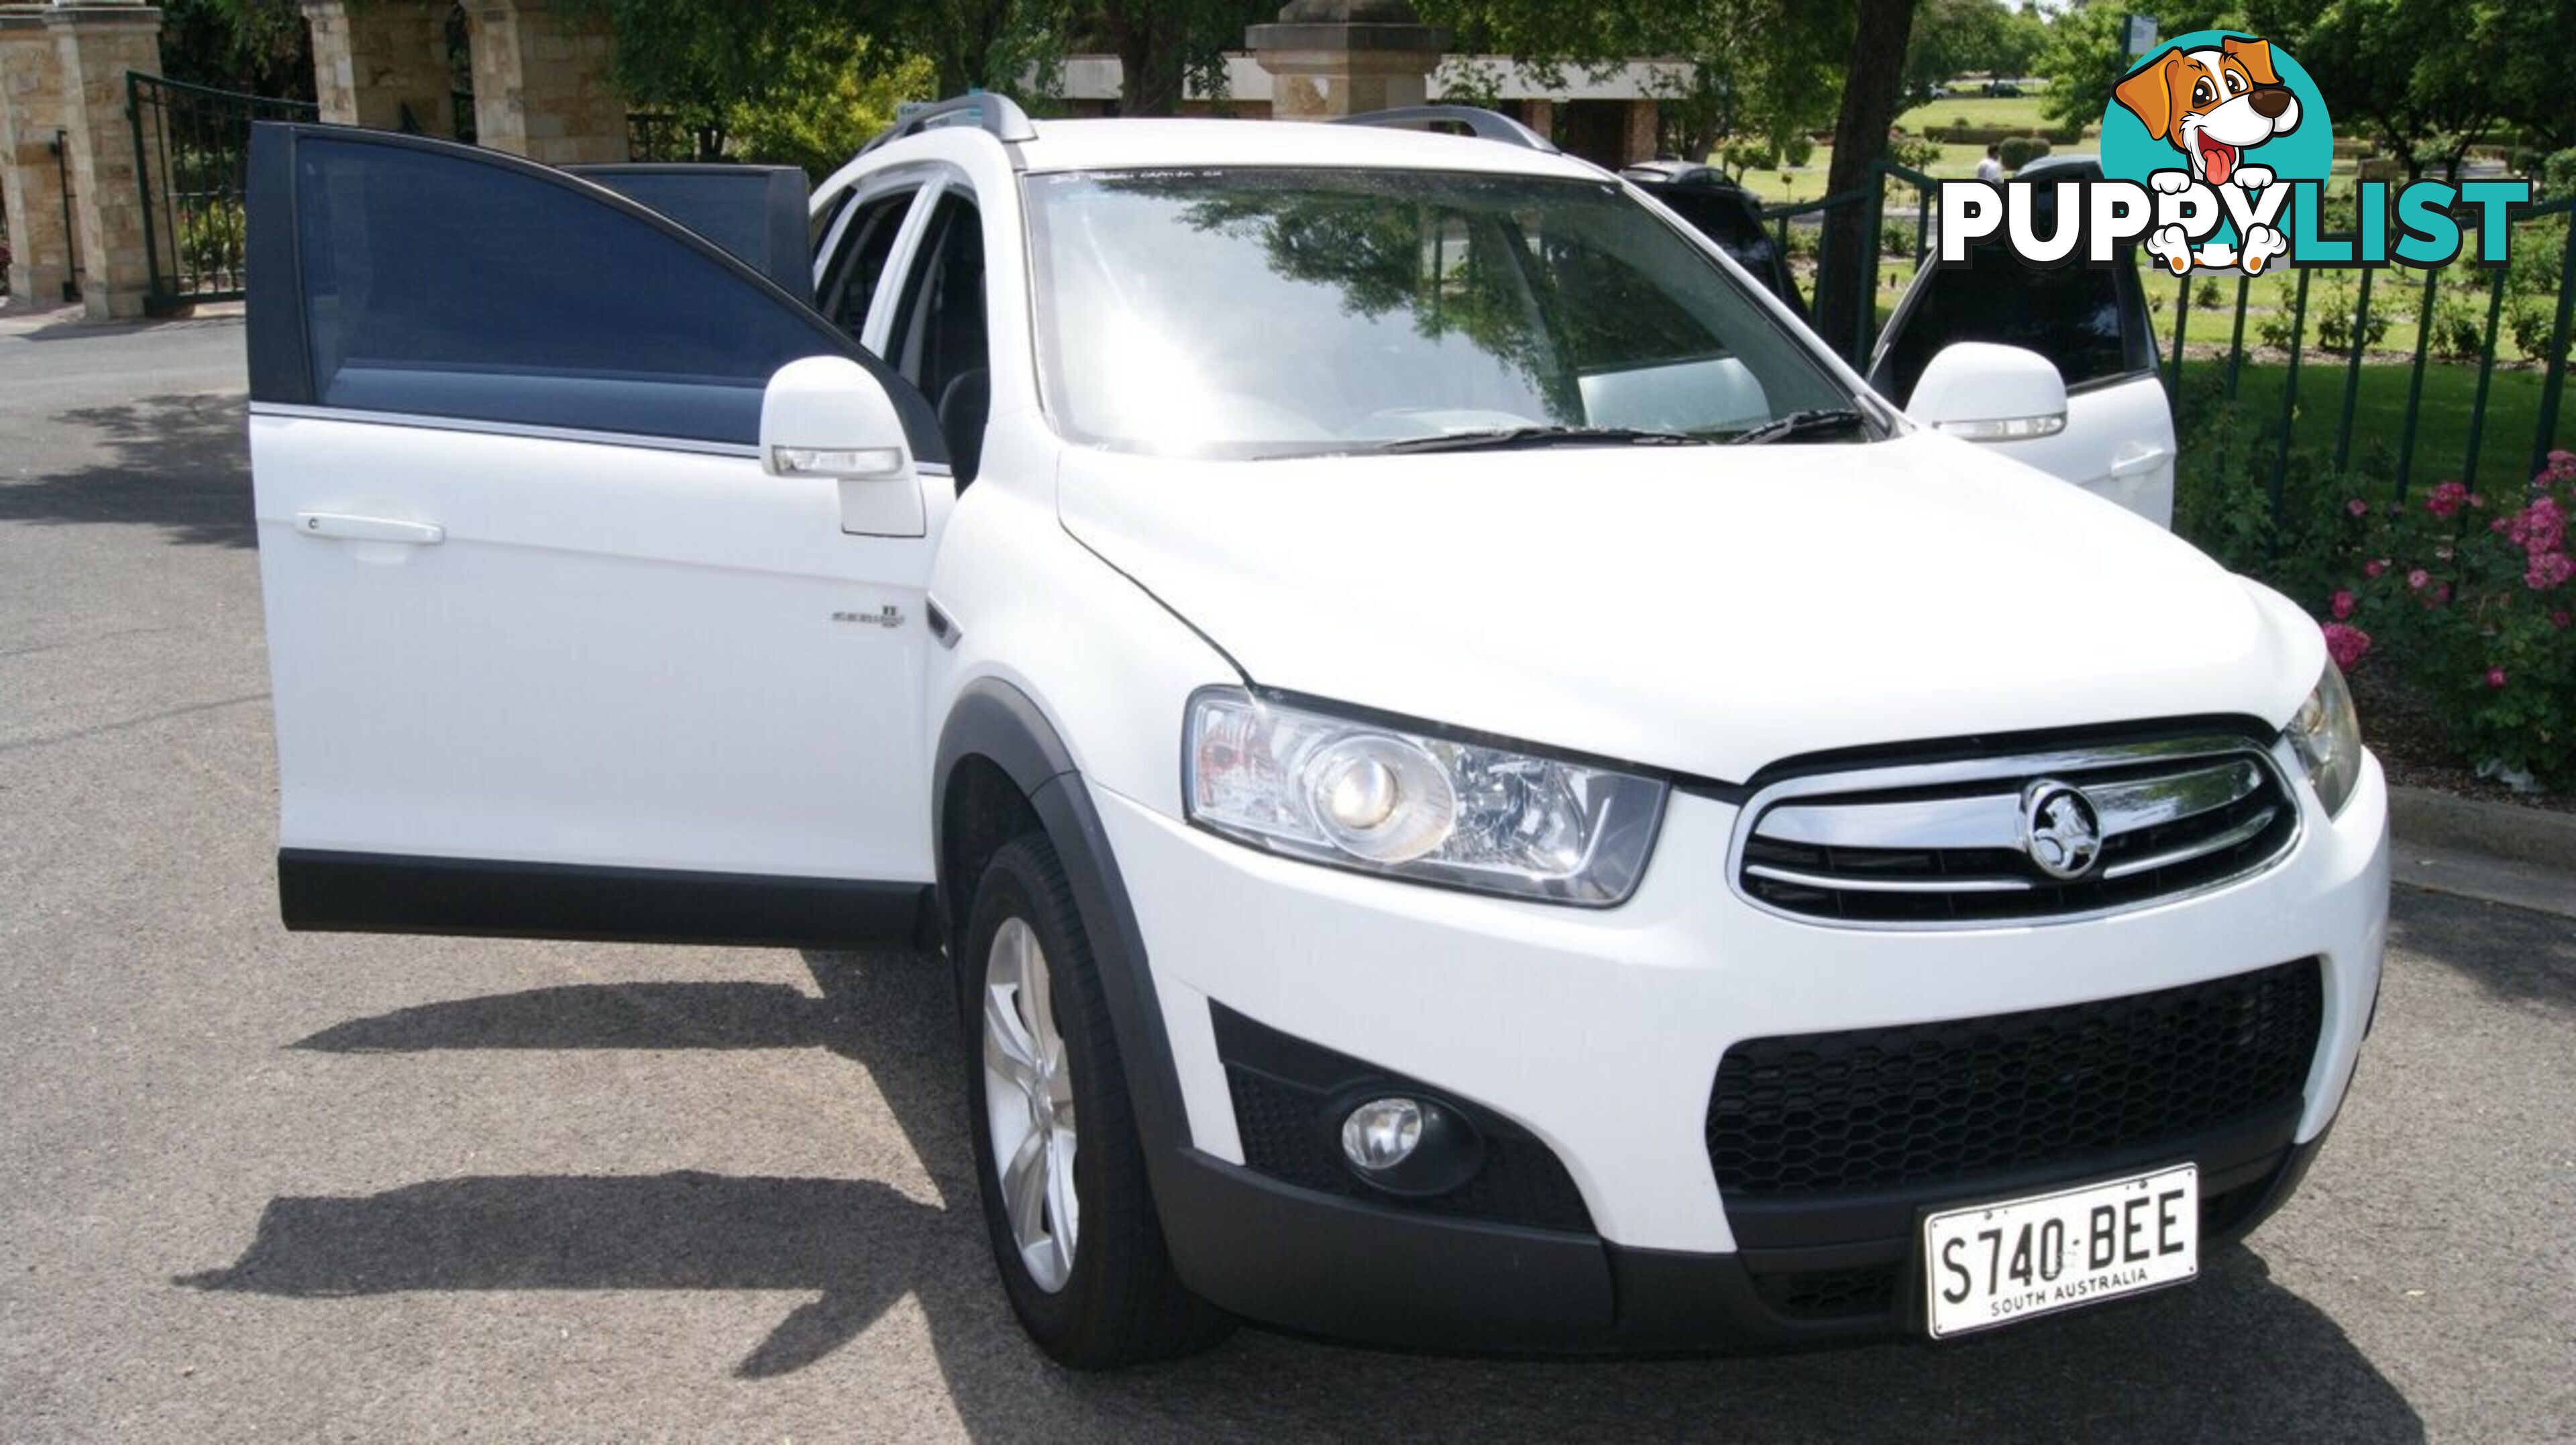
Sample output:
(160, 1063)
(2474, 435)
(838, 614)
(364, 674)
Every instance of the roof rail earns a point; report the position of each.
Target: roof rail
(997, 115)
(1481, 123)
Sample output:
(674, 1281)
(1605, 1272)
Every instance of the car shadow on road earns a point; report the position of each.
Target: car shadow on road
(2231, 1357)
(180, 463)
(2518, 955)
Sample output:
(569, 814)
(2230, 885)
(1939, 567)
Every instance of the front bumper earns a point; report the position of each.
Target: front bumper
(1598, 1035)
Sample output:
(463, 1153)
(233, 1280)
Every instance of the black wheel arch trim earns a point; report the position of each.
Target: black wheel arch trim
(998, 722)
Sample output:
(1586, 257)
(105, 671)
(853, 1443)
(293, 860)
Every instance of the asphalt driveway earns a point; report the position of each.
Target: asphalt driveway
(255, 1185)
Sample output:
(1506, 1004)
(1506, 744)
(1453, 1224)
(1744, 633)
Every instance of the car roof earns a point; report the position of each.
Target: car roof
(1130, 144)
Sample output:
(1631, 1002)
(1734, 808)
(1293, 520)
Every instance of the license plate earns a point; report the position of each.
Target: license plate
(1992, 1264)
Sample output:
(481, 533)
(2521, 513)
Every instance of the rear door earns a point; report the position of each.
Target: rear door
(552, 655)
(2093, 324)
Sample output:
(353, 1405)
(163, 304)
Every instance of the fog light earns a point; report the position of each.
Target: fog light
(1382, 1133)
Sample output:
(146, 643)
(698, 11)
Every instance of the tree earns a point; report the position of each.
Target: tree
(2425, 79)
(257, 47)
(1165, 48)
(1873, 85)
(2087, 52)
(1755, 73)
(1955, 37)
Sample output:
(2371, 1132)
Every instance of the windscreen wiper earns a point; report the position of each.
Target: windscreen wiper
(1798, 424)
(1511, 438)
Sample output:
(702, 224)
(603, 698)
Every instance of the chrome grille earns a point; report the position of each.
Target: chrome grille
(1947, 842)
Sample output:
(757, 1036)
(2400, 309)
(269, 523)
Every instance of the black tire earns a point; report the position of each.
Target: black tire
(1122, 1303)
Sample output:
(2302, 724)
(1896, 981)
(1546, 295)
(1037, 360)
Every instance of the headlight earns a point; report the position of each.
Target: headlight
(1332, 790)
(2327, 737)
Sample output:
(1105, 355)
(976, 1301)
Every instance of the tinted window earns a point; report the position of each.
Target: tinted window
(447, 285)
(756, 213)
(2069, 314)
(861, 265)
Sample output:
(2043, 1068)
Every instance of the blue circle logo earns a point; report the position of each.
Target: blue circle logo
(2216, 108)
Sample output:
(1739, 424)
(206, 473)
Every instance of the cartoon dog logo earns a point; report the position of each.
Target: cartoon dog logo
(2213, 104)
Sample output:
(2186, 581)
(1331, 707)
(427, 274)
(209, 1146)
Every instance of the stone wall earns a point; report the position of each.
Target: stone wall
(31, 115)
(95, 45)
(383, 64)
(542, 85)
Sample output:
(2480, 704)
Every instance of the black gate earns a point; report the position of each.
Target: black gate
(192, 159)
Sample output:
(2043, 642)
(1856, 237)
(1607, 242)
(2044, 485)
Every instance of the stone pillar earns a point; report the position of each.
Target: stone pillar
(541, 82)
(96, 43)
(1345, 57)
(1540, 116)
(1645, 124)
(31, 175)
(382, 63)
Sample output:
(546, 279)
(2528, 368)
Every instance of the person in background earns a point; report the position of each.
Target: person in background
(1991, 169)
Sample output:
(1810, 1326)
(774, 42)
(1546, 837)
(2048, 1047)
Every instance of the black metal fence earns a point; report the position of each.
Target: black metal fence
(192, 161)
(2457, 392)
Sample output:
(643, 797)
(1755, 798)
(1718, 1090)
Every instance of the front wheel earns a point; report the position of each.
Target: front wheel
(1062, 1172)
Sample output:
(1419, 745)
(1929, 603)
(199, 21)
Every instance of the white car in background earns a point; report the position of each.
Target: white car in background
(1481, 789)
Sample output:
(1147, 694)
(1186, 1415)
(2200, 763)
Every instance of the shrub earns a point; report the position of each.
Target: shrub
(211, 239)
(2205, 296)
(2340, 325)
(2459, 328)
(2020, 150)
(1914, 153)
(1896, 238)
(2531, 320)
(2279, 329)
(2470, 605)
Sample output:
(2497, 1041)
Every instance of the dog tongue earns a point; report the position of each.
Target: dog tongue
(2219, 159)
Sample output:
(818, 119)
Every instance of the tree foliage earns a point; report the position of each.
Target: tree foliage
(1958, 37)
(2426, 78)
(2086, 50)
(257, 47)
(1755, 74)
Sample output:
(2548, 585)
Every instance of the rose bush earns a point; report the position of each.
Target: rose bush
(2469, 602)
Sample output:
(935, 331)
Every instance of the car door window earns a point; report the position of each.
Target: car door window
(938, 342)
(498, 291)
(2070, 314)
(866, 244)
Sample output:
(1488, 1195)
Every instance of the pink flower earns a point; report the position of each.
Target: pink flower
(2376, 567)
(2343, 604)
(2560, 620)
(2357, 507)
(2495, 677)
(2418, 580)
(2346, 645)
(2438, 595)
(2540, 527)
(2446, 499)
(2477, 503)
(2548, 570)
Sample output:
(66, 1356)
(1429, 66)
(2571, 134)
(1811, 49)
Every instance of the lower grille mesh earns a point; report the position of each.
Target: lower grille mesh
(1877, 1108)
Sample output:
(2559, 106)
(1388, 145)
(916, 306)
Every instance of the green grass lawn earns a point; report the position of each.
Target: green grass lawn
(2379, 414)
(2021, 111)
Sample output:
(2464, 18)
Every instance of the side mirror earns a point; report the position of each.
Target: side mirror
(1988, 393)
(826, 417)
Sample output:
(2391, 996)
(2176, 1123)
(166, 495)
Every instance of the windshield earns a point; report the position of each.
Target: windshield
(1253, 313)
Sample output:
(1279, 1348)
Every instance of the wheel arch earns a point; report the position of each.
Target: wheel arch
(1000, 770)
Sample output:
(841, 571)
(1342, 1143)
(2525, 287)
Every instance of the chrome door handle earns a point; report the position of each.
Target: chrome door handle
(369, 529)
(2130, 464)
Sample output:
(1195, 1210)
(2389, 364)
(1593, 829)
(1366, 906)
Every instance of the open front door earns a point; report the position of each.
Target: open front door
(2092, 323)
(552, 654)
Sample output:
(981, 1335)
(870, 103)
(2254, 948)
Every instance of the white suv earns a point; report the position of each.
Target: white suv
(1480, 789)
